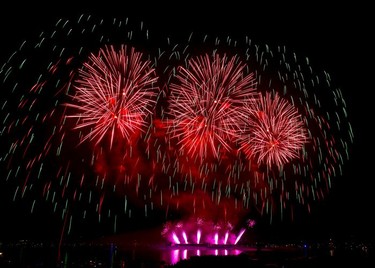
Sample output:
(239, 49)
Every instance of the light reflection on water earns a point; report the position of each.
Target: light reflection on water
(140, 255)
(172, 256)
(104, 255)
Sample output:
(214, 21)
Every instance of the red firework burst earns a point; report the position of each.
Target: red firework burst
(115, 91)
(206, 103)
(213, 113)
(273, 131)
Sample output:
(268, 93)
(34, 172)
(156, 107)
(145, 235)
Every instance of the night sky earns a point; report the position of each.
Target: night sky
(336, 39)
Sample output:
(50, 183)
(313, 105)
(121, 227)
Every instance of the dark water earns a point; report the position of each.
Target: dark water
(32, 255)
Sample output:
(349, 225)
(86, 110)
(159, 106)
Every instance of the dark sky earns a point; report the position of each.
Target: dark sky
(338, 38)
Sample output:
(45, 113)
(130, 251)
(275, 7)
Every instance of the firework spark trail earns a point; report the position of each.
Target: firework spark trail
(115, 90)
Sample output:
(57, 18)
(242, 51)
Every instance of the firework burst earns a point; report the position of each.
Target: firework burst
(115, 90)
(256, 151)
(65, 104)
(273, 131)
(206, 103)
